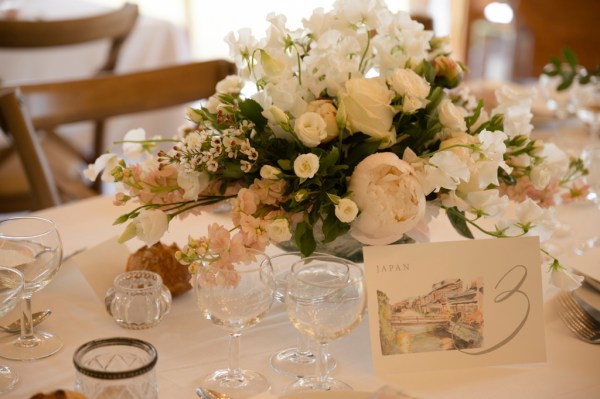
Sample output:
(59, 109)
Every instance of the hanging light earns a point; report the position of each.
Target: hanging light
(499, 12)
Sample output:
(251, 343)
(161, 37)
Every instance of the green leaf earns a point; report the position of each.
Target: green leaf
(232, 170)
(305, 239)
(329, 159)
(458, 221)
(361, 151)
(284, 164)
(570, 57)
(253, 111)
(333, 227)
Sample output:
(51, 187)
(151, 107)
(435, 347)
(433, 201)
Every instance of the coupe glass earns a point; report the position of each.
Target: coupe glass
(325, 300)
(298, 361)
(31, 245)
(236, 298)
(11, 291)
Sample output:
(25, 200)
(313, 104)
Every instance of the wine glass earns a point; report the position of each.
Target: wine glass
(297, 361)
(31, 245)
(586, 99)
(11, 291)
(236, 296)
(326, 300)
(591, 158)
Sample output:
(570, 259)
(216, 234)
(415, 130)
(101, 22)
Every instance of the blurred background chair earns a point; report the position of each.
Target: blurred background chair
(52, 104)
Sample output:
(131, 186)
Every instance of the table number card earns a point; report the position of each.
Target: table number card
(455, 304)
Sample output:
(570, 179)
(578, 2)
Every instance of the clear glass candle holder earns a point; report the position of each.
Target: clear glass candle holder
(116, 368)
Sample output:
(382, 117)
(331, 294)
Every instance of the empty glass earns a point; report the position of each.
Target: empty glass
(116, 368)
(297, 361)
(236, 296)
(138, 299)
(11, 290)
(31, 245)
(326, 300)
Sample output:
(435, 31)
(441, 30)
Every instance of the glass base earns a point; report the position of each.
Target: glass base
(42, 345)
(314, 384)
(244, 384)
(293, 363)
(8, 379)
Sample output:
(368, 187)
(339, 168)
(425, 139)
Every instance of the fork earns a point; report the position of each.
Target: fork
(584, 326)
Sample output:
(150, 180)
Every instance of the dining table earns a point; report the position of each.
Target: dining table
(190, 346)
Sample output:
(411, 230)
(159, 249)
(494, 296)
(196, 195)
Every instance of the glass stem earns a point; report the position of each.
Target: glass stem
(234, 356)
(304, 346)
(27, 338)
(322, 369)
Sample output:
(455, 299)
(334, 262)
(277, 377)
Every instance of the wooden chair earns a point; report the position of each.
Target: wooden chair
(114, 26)
(56, 103)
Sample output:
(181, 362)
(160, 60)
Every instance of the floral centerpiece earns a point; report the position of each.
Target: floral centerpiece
(358, 125)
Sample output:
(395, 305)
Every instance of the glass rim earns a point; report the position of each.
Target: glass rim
(125, 276)
(51, 223)
(261, 263)
(115, 375)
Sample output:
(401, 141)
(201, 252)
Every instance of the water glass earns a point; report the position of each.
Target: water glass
(138, 299)
(116, 368)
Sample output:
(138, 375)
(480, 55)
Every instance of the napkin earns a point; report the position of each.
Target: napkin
(101, 264)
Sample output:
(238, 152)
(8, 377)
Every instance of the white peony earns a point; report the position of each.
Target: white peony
(389, 197)
(366, 105)
(346, 210)
(306, 165)
(311, 129)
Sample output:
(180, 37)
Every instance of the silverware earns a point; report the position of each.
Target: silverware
(584, 326)
(36, 318)
(206, 393)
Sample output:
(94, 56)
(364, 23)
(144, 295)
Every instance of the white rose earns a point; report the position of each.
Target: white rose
(232, 84)
(412, 87)
(310, 129)
(346, 210)
(270, 172)
(149, 227)
(328, 112)
(278, 230)
(192, 182)
(306, 165)
(366, 106)
(389, 197)
(451, 118)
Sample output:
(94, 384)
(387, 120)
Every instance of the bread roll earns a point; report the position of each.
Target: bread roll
(59, 394)
(160, 259)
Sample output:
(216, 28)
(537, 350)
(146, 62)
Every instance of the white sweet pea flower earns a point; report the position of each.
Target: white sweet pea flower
(270, 172)
(311, 129)
(211, 105)
(445, 170)
(413, 88)
(134, 150)
(541, 221)
(105, 162)
(192, 182)
(306, 165)
(451, 118)
(489, 202)
(366, 104)
(564, 279)
(346, 210)
(278, 230)
(389, 197)
(149, 226)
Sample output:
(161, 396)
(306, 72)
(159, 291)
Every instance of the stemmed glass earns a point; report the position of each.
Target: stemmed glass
(586, 99)
(297, 361)
(11, 291)
(236, 297)
(31, 245)
(326, 300)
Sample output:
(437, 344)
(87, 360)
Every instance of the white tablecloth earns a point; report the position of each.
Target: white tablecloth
(152, 43)
(190, 347)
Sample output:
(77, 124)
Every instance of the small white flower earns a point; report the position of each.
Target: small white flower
(311, 129)
(192, 182)
(413, 88)
(149, 226)
(270, 172)
(105, 162)
(540, 176)
(278, 230)
(564, 279)
(306, 165)
(451, 118)
(134, 150)
(346, 210)
(232, 84)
